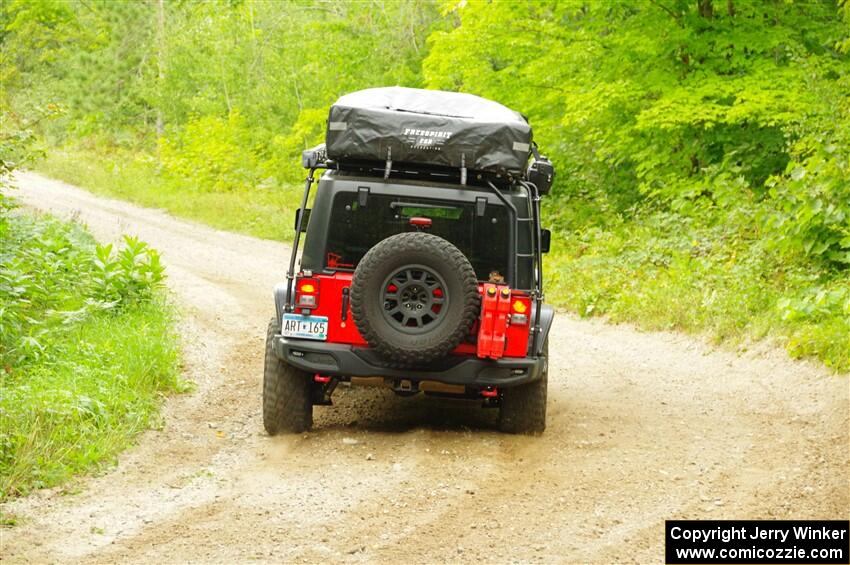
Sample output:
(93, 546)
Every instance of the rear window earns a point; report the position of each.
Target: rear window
(355, 229)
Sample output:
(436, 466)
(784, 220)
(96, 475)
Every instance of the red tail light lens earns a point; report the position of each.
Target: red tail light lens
(307, 293)
(519, 310)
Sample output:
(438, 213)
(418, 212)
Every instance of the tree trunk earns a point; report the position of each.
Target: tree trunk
(160, 64)
(706, 8)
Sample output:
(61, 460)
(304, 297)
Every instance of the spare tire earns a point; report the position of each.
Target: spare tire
(414, 297)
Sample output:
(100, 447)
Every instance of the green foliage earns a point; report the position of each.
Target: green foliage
(86, 345)
(15, 149)
(53, 277)
(810, 202)
(102, 385)
(216, 153)
(19, 147)
(240, 87)
(86, 349)
(263, 212)
(131, 275)
(698, 114)
(668, 275)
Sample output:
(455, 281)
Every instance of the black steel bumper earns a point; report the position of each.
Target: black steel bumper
(337, 359)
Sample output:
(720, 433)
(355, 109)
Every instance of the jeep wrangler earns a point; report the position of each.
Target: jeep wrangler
(415, 274)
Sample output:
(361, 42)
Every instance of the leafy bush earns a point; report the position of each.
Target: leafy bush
(307, 131)
(86, 349)
(216, 153)
(53, 276)
(131, 275)
(811, 203)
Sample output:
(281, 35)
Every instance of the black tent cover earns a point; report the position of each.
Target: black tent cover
(428, 127)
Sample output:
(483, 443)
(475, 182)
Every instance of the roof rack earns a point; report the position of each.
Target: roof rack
(317, 158)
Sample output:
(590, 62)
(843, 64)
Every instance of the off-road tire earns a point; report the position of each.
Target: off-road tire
(394, 253)
(522, 409)
(287, 392)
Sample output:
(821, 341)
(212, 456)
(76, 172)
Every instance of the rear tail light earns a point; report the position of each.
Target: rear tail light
(420, 223)
(307, 294)
(519, 311)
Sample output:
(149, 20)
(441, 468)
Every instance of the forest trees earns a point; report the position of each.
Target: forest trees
(682, 104)
(257, 76)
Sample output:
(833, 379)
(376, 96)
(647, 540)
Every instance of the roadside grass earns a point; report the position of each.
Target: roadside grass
(717, 280)
(657, 271)
(87, 351)
(103, 387)
(266, 213)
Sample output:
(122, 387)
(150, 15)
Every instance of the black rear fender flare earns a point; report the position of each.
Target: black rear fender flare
(547, 316)
(281, 295)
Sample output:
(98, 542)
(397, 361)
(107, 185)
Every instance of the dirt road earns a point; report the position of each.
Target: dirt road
(643, 427)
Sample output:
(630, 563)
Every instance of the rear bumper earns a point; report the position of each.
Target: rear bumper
(338, 359)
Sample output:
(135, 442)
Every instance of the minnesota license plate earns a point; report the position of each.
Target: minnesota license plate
(306, 327)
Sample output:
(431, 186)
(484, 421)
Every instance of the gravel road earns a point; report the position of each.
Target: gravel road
(643, 427)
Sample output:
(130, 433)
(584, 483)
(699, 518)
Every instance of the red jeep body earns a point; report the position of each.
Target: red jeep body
(496, 327)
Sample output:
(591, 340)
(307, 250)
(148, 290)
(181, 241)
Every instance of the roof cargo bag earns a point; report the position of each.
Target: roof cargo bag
(428, 127)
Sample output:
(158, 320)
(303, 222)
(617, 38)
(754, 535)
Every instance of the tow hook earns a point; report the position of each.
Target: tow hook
(322, 393)
(405, 387)
(490, 392)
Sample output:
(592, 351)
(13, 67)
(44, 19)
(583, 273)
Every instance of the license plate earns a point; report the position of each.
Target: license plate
(306, 327)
